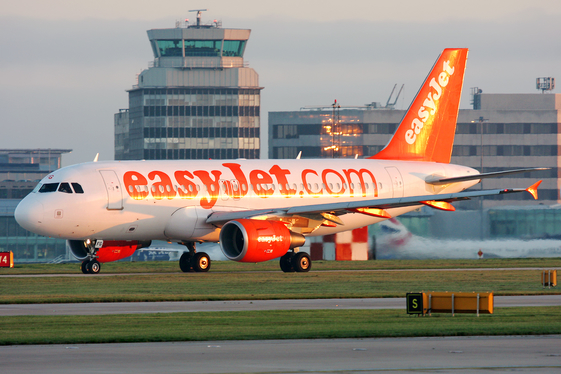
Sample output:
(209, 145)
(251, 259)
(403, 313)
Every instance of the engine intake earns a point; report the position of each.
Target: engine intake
(248, 240)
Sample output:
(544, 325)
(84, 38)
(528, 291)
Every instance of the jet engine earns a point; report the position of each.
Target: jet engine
(248, 240)
(111, 250)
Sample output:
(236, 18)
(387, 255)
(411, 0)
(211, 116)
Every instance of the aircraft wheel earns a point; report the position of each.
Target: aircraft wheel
(286, 263)
(94, 267)
(84, 266)
(185, 262)
(301, 262)
(200, 262)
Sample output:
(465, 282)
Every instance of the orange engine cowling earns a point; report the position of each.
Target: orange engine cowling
(249, 240)
(112, 250)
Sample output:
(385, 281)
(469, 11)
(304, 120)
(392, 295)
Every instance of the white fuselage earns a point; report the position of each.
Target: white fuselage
(171, 200)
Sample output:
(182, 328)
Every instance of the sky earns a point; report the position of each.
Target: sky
(65, 65)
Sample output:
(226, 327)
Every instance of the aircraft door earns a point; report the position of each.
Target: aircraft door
(396, 181)
(113, 187)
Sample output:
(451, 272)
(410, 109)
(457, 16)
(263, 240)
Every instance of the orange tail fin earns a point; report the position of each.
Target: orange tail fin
(426, 132)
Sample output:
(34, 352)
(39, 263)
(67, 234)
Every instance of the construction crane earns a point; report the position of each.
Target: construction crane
(392, 105)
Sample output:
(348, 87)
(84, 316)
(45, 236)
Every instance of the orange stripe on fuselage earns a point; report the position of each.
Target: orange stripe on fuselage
(184, 184)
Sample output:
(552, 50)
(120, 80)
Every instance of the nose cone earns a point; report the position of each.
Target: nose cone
(29, 214)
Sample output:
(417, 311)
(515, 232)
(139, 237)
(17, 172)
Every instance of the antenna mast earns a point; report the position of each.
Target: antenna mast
(199, 14)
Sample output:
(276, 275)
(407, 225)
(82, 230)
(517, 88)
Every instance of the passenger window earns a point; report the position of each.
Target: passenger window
(65, 187)
(48, 187)
(77, 188)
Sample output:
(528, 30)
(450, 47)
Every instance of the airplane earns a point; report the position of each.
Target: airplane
(259, 210)
(395, 242)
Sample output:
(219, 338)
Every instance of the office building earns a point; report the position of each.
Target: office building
(20, 171)
(507, 131)
(199, 99)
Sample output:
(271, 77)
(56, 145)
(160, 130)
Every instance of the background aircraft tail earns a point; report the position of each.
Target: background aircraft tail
(426, 132)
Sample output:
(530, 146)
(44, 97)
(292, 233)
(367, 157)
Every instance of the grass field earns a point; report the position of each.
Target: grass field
(161, 281)
(297, 324)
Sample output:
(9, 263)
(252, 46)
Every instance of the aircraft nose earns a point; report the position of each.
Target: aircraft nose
(29, 214)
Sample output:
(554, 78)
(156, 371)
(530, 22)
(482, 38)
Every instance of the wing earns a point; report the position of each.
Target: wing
(374, 207)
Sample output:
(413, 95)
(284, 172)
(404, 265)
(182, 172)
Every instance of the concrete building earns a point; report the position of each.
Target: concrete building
(507, 131)
(197, 100)
(20, 171)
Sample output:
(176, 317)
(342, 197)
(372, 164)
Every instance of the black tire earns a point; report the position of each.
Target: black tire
(185, 262)
(301, 262)
(200, 262)
(286, 263)
(94, 267)
(84, 266)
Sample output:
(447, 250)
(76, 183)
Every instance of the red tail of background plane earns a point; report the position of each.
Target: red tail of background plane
(426, 133)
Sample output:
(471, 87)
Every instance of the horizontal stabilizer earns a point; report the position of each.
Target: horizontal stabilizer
(481, 176)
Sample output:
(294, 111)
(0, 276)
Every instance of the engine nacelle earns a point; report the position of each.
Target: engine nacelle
(249, 240)
(111, 250)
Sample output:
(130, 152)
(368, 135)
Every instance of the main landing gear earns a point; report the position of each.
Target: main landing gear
(295, 261)
(193, 260)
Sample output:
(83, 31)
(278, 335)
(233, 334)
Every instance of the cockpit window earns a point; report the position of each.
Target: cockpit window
(48, 187)
(60, 187)
(77, 188)
(65, 187)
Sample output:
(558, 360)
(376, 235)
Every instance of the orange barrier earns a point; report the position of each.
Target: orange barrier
(450, 302)
(549, 278)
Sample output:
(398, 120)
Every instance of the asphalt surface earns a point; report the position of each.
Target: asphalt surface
(496, 354)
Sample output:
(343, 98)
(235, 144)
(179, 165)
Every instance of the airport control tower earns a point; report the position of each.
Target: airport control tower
(197, 100)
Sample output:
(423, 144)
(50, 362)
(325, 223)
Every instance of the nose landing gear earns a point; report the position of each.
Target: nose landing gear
(91, 265)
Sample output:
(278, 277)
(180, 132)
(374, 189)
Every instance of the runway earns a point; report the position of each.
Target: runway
(523, 354)
(243, 305)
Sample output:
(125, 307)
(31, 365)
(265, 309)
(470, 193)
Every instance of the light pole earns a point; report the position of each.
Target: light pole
(334, 123)
(481, 120)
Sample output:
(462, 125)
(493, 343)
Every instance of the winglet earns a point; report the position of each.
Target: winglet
(533, 189)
